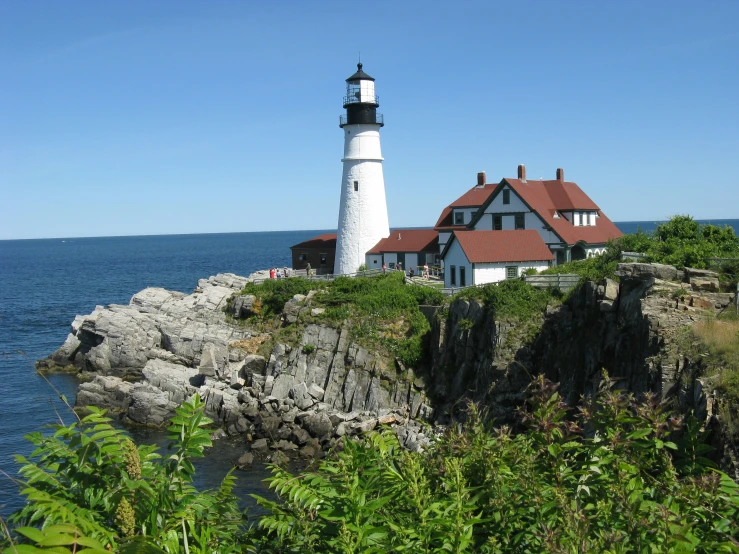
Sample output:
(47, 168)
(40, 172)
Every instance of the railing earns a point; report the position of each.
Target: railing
(561, 281)
(379, 120)
(632, 256)
(303, 273)
(352, 99)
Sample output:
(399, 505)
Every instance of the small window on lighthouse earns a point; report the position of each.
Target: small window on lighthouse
(356, 186)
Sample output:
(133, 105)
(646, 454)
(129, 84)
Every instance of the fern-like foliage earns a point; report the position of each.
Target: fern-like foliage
(88, 487)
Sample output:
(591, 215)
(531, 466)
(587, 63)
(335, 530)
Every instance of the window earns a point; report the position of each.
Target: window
(356, 186)
(462, 277)
(453, 275)
(511, 272)
(520, 222)
(303, 257)
(323, 259)
(459, 218)
(506, 196)
(497, 223)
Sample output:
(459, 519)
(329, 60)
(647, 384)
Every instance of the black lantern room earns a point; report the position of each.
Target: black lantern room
(361, 102)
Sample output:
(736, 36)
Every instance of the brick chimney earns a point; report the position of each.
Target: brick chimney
(522, 172)
(560, 174)
(481, 179)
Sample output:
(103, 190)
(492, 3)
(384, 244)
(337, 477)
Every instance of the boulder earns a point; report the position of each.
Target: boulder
(315, 391)
(645, 271)
(260, 446)
(282, 386)
(208, 364)
(245, 460)
(706, 284)
(318, 424)
(302, 397)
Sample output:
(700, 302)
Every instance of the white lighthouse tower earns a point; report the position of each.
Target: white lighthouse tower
(363, 211)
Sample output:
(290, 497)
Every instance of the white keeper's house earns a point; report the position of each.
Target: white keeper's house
(531, 216)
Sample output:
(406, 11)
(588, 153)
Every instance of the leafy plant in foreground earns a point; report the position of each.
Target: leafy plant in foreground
(554, 489)
(88, 485)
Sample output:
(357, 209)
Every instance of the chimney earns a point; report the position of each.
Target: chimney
(522, 172)
(481, 179)
(560, 174)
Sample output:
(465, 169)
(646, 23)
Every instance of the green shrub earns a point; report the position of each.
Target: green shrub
(512, 298)
(88, 485)
(273, 293)
(309, 348)
(683, 242)
(621, 487)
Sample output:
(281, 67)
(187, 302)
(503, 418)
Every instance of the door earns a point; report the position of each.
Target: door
(401, 260)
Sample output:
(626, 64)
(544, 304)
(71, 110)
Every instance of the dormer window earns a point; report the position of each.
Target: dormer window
(459, 218)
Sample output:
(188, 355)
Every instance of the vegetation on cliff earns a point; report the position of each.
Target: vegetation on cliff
(624, 485)
(681, 242)
(380, 312)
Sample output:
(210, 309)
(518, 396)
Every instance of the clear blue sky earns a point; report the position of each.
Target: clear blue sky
(134, 117)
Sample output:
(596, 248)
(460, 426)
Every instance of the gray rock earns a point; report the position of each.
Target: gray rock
(245, 460)
(318, 425)
(641, 271)
(282, 386)
(317, 311)
(208, 364)
(308, 451)
(364, 426)
(286, 446)
(260, 446)
(706, 284)
(315, 391)
(300, 436)
(302, 397)
(268, 384)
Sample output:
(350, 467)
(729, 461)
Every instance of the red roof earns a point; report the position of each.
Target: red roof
(503, 246)
(548, 197)
(473, 198)
(327, 240)
(408, 240)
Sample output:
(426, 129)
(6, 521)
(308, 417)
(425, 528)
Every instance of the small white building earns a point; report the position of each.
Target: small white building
(411, 248)
(479, 257)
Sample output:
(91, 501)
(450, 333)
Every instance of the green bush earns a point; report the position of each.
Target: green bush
(88, 485)
(621, 487)
(683, 242)
(273, 293)
(512, 298)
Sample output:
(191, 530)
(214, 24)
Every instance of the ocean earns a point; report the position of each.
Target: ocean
(46, 282)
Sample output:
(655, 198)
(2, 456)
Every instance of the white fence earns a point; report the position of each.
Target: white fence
(328, 277)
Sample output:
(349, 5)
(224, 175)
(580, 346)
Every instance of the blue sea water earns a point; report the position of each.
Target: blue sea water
(45, 283)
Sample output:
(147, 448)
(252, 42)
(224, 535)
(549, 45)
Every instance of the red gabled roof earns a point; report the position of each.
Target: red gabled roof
(473, 198)
(408, 240)
(548, 197)
(326, 240)
(503, 246)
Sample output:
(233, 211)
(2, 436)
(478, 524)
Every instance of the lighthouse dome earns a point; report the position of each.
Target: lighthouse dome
(360, 75)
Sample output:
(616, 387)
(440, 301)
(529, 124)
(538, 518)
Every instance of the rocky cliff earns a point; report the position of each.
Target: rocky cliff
(631, 329)
(149, 356)
(305, 389)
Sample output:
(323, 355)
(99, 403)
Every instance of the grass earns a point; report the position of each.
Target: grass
(381, 312)
(721, 337)
(716, 341)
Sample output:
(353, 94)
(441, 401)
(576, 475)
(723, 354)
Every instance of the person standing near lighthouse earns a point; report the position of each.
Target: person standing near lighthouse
(363, 217)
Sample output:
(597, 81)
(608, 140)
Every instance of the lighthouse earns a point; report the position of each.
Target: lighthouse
(363, 210)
